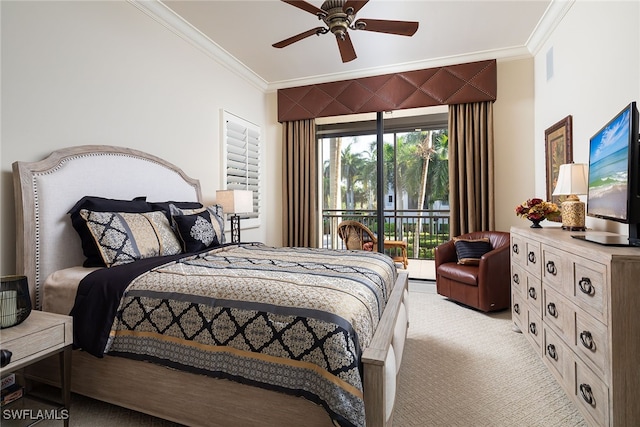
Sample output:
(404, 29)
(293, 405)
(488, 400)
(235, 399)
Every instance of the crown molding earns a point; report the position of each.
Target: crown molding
(554, 14)
(162, 14)
(505, 54)
(176, 24)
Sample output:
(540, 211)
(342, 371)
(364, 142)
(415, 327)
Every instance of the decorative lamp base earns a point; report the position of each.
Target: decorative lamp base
(573, 215)
(235, 229)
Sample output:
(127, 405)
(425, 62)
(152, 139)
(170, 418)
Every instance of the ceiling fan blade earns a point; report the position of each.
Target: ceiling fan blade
(347, 51)
(306, 7)
(401, 28)
(356, 5)
(298, 37)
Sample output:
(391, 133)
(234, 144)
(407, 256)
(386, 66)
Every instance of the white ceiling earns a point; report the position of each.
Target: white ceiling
(451, 31)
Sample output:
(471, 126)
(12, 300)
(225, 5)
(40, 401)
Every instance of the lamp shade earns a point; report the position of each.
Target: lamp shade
(572, 179)
(235, 201)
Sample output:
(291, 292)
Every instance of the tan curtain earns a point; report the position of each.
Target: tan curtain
(300, 184)
(471, 168)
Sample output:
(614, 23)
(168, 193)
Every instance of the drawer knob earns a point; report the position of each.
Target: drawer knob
(532, 257)
(532, 293)
(516, 279)
(515, 249)
(587, 340)
(532, 328)
(551, 309)
(551, 268)
(551, 351)
(516, 308)
(586, 287)
(587, 395)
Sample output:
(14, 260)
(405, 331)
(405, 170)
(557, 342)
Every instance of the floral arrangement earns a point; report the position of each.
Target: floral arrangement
(537, 210)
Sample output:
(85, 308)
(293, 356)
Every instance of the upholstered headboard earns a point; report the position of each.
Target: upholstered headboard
(47, 189)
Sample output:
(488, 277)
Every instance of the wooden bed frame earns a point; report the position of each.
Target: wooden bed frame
(46, 190)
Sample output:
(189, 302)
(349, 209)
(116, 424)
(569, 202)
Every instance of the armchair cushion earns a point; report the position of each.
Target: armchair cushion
(469, 251)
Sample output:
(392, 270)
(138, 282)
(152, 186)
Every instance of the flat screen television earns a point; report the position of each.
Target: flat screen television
(614, 176)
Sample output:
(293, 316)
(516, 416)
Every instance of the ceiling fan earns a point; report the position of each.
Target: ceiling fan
(339, 16)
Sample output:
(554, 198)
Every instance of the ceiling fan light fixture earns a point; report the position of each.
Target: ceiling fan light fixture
(339, 17)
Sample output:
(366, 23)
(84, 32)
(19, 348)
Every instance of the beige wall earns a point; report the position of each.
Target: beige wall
(596, 72)
(77, 73)
(514, 136)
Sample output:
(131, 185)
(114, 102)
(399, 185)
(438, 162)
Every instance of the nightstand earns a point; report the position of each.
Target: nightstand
(41, 335)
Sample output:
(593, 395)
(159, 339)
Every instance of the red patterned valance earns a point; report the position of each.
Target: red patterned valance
(454, 84)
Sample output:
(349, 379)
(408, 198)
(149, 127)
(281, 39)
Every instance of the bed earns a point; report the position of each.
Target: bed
(49, 253)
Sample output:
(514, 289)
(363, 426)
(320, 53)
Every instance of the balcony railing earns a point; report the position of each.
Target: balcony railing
(423, 230)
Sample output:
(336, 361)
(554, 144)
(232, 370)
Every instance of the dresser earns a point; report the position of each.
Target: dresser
(578, 304)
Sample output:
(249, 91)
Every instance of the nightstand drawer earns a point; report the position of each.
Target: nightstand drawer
(34, 343)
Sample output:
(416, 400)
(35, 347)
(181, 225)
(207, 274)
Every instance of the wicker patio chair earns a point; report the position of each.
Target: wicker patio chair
(357, 236)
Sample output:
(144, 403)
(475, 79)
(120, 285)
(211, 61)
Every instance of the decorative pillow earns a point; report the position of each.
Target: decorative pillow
(215, 213)
(196, 231)
(124, 237)
(469, 251)
(166, 207)
(100, 204)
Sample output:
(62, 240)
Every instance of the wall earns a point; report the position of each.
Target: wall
(514, 140)
(77, 73)
(596, 72)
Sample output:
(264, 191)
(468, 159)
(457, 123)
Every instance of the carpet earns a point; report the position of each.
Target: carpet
(462, 367)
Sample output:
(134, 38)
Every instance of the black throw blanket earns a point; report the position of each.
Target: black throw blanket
(98, 298)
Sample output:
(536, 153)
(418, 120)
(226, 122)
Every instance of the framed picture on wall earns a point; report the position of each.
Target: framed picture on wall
(558, 151)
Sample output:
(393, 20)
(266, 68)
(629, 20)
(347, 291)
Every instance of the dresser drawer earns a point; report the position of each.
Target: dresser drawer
(591, 395)
(558, 313)
(518, 311)
(590, 291)
(533, 293)
(518, 278)
(558, 357)
(554, 265)
(533, 330)
(533, 258)
(591, 343)
(518, 250)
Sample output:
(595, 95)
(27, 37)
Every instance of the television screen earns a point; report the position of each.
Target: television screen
(609, 169)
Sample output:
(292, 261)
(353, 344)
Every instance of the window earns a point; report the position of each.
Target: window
(242, 154)
(414, 178)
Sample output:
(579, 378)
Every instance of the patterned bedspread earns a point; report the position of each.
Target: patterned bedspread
(288, 319)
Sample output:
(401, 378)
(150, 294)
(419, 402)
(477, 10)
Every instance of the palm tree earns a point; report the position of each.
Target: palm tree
(351, 172)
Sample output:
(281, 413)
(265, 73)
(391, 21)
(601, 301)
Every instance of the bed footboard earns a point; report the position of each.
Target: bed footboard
(382, 358)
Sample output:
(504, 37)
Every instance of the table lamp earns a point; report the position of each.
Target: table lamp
(235, 202)
(572, 181)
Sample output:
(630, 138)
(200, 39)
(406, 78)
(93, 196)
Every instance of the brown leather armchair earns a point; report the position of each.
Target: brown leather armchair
(485, 286)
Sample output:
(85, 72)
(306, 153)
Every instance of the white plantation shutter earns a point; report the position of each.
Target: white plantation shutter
(242, 153)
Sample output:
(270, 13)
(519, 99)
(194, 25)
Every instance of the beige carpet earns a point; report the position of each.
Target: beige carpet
(460, 368)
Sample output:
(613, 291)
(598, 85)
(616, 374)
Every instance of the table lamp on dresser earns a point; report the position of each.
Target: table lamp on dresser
(572, 182)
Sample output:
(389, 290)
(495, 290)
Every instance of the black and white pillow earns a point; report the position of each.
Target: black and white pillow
(124, 237)
(215, 213)
(196, 231)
